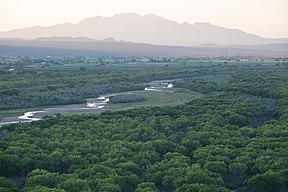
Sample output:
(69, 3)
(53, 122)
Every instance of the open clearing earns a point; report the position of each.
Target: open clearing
(162, 97)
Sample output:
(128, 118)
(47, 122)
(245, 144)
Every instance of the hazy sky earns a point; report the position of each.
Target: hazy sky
(268, 18)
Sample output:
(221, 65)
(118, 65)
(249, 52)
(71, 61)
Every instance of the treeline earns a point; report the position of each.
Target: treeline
(209, 144)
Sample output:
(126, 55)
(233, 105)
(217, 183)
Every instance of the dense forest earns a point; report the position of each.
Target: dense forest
(235, 138)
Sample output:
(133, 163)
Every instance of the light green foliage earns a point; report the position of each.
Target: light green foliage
(146, 187)
(74, 185)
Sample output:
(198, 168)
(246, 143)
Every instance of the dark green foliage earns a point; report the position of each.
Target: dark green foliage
(126, 98)
(269, 181)
(10, 92)
(7, 186)
(216, 143)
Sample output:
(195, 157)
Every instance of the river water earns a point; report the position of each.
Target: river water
(93, 105)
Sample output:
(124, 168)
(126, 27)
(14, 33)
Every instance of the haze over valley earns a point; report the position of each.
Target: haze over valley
(130, 34)
(150, 28)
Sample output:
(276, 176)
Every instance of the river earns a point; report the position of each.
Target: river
(93, 105)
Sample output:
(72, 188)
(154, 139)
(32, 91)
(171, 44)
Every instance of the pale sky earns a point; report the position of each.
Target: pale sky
(267, 18)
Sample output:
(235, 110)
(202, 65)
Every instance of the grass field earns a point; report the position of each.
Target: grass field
(164, 97)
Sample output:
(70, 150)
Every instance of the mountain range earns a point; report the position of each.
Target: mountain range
(83, 46)
(148, 29)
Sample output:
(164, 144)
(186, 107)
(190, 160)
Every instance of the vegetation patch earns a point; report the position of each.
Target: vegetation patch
(234, 138)
(128, 98)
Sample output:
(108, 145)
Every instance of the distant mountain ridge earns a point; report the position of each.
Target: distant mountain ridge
(150, 29)
(80, 46)
(76, 39)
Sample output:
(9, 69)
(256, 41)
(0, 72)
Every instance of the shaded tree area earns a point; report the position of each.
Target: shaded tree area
(209, 144)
